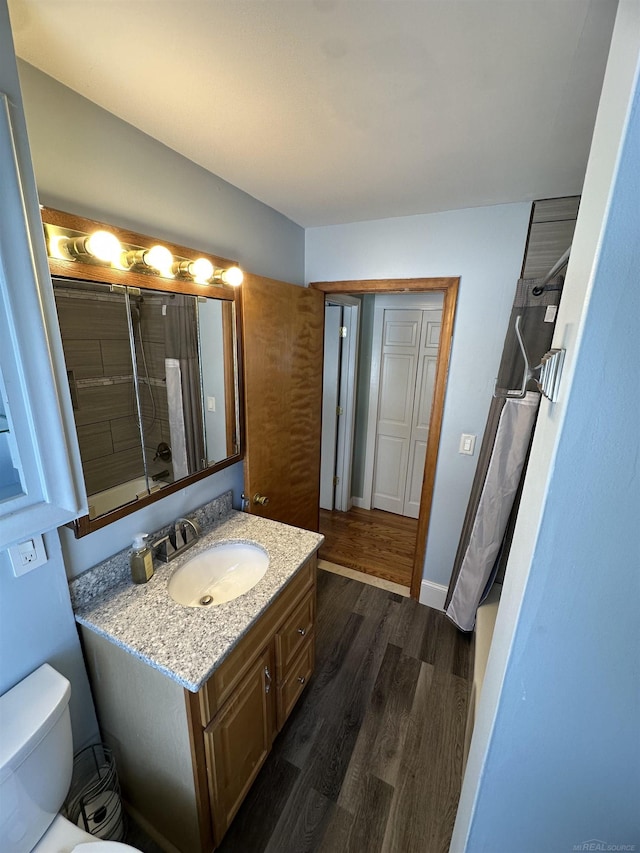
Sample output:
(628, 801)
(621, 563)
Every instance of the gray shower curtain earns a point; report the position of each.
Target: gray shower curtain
(184, 391)
(490, 518)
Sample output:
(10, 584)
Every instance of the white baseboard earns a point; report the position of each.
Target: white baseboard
(433, 594)
(360, 503)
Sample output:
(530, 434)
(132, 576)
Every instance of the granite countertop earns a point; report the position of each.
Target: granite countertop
(188, 643)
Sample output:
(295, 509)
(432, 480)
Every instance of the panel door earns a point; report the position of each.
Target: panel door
(425, 384)
(283, 341)
(398, 368)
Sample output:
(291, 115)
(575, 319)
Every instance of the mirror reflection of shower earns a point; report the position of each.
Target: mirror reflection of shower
(148, 376)
(135, 311)
(145, 408)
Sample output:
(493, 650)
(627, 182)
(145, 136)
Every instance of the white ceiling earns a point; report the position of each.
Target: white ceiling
(335, 111)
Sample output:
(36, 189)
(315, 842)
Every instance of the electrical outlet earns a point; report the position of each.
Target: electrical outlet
(27, 555)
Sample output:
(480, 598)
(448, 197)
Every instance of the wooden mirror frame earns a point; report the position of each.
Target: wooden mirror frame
(79, 271)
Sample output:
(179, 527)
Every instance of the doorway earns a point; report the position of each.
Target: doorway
(378, 536)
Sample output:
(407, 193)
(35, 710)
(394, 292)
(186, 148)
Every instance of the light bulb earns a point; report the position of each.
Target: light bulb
(103, 245)
(161, 259)
(57, 245)
(201, 270)
(232, 276)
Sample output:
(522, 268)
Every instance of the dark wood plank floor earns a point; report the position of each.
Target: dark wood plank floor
(377, 543)
(371, 758)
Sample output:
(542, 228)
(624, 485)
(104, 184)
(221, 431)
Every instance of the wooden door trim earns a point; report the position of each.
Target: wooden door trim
(449, 287)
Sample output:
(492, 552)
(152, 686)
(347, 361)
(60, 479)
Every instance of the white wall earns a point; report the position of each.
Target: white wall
(485, 247)
(555, 755)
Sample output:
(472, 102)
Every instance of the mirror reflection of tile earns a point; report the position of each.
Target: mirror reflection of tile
(180, 436)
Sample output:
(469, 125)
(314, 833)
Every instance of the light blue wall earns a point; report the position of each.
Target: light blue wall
(37, 626)
(555, 756)
(36, 621)
(89, 162)
(565, 759)
(485, 247)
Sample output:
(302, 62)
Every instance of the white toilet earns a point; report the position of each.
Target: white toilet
(36, 763)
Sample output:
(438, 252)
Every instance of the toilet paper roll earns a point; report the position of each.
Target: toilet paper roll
(103, 816)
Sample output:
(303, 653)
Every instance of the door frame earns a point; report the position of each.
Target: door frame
(449, 287)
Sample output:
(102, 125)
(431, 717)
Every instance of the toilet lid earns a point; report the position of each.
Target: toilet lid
(103, 847)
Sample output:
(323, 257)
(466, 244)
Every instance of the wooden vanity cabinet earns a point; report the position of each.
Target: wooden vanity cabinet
(187, 760)
(244, 704)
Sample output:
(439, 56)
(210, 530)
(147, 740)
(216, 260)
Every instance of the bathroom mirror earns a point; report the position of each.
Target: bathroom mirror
(152, 361)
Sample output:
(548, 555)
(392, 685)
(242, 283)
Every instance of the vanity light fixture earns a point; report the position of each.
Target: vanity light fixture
(69, 241)
(157, 258)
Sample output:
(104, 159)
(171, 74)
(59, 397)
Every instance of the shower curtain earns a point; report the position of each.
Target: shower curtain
(490, 518)
(184, 392)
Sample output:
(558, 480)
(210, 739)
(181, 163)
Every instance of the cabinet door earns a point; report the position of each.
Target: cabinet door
(41, 484)
(238, 741)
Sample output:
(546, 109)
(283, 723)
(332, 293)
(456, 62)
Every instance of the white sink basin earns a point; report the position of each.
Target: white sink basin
(221, 573)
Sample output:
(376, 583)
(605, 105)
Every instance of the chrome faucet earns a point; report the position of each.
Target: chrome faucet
(182, 536)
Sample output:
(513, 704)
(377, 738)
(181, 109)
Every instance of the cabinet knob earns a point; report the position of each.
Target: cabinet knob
(302, 631)
(301, 679)
(263, 500)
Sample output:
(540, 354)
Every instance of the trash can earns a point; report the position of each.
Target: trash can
(93, 802)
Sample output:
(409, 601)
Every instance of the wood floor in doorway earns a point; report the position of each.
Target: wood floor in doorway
(371, 541)
(370, 760)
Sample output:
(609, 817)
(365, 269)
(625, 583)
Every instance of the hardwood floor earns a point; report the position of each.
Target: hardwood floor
(371, 758)
(370, 541)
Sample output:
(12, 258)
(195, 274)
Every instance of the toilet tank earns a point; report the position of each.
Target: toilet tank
(36, 757)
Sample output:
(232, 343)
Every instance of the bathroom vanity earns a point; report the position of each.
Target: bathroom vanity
(190, 699)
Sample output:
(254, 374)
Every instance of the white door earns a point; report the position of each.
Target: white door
(330, 392)
(405, 395)
(425, 384)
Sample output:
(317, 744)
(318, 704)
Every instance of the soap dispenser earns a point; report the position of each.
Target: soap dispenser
(141, 559)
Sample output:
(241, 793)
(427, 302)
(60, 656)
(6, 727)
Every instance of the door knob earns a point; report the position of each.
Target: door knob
(263, 500)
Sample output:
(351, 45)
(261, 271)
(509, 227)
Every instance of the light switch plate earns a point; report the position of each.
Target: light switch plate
(467, 444)
(28, 555)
